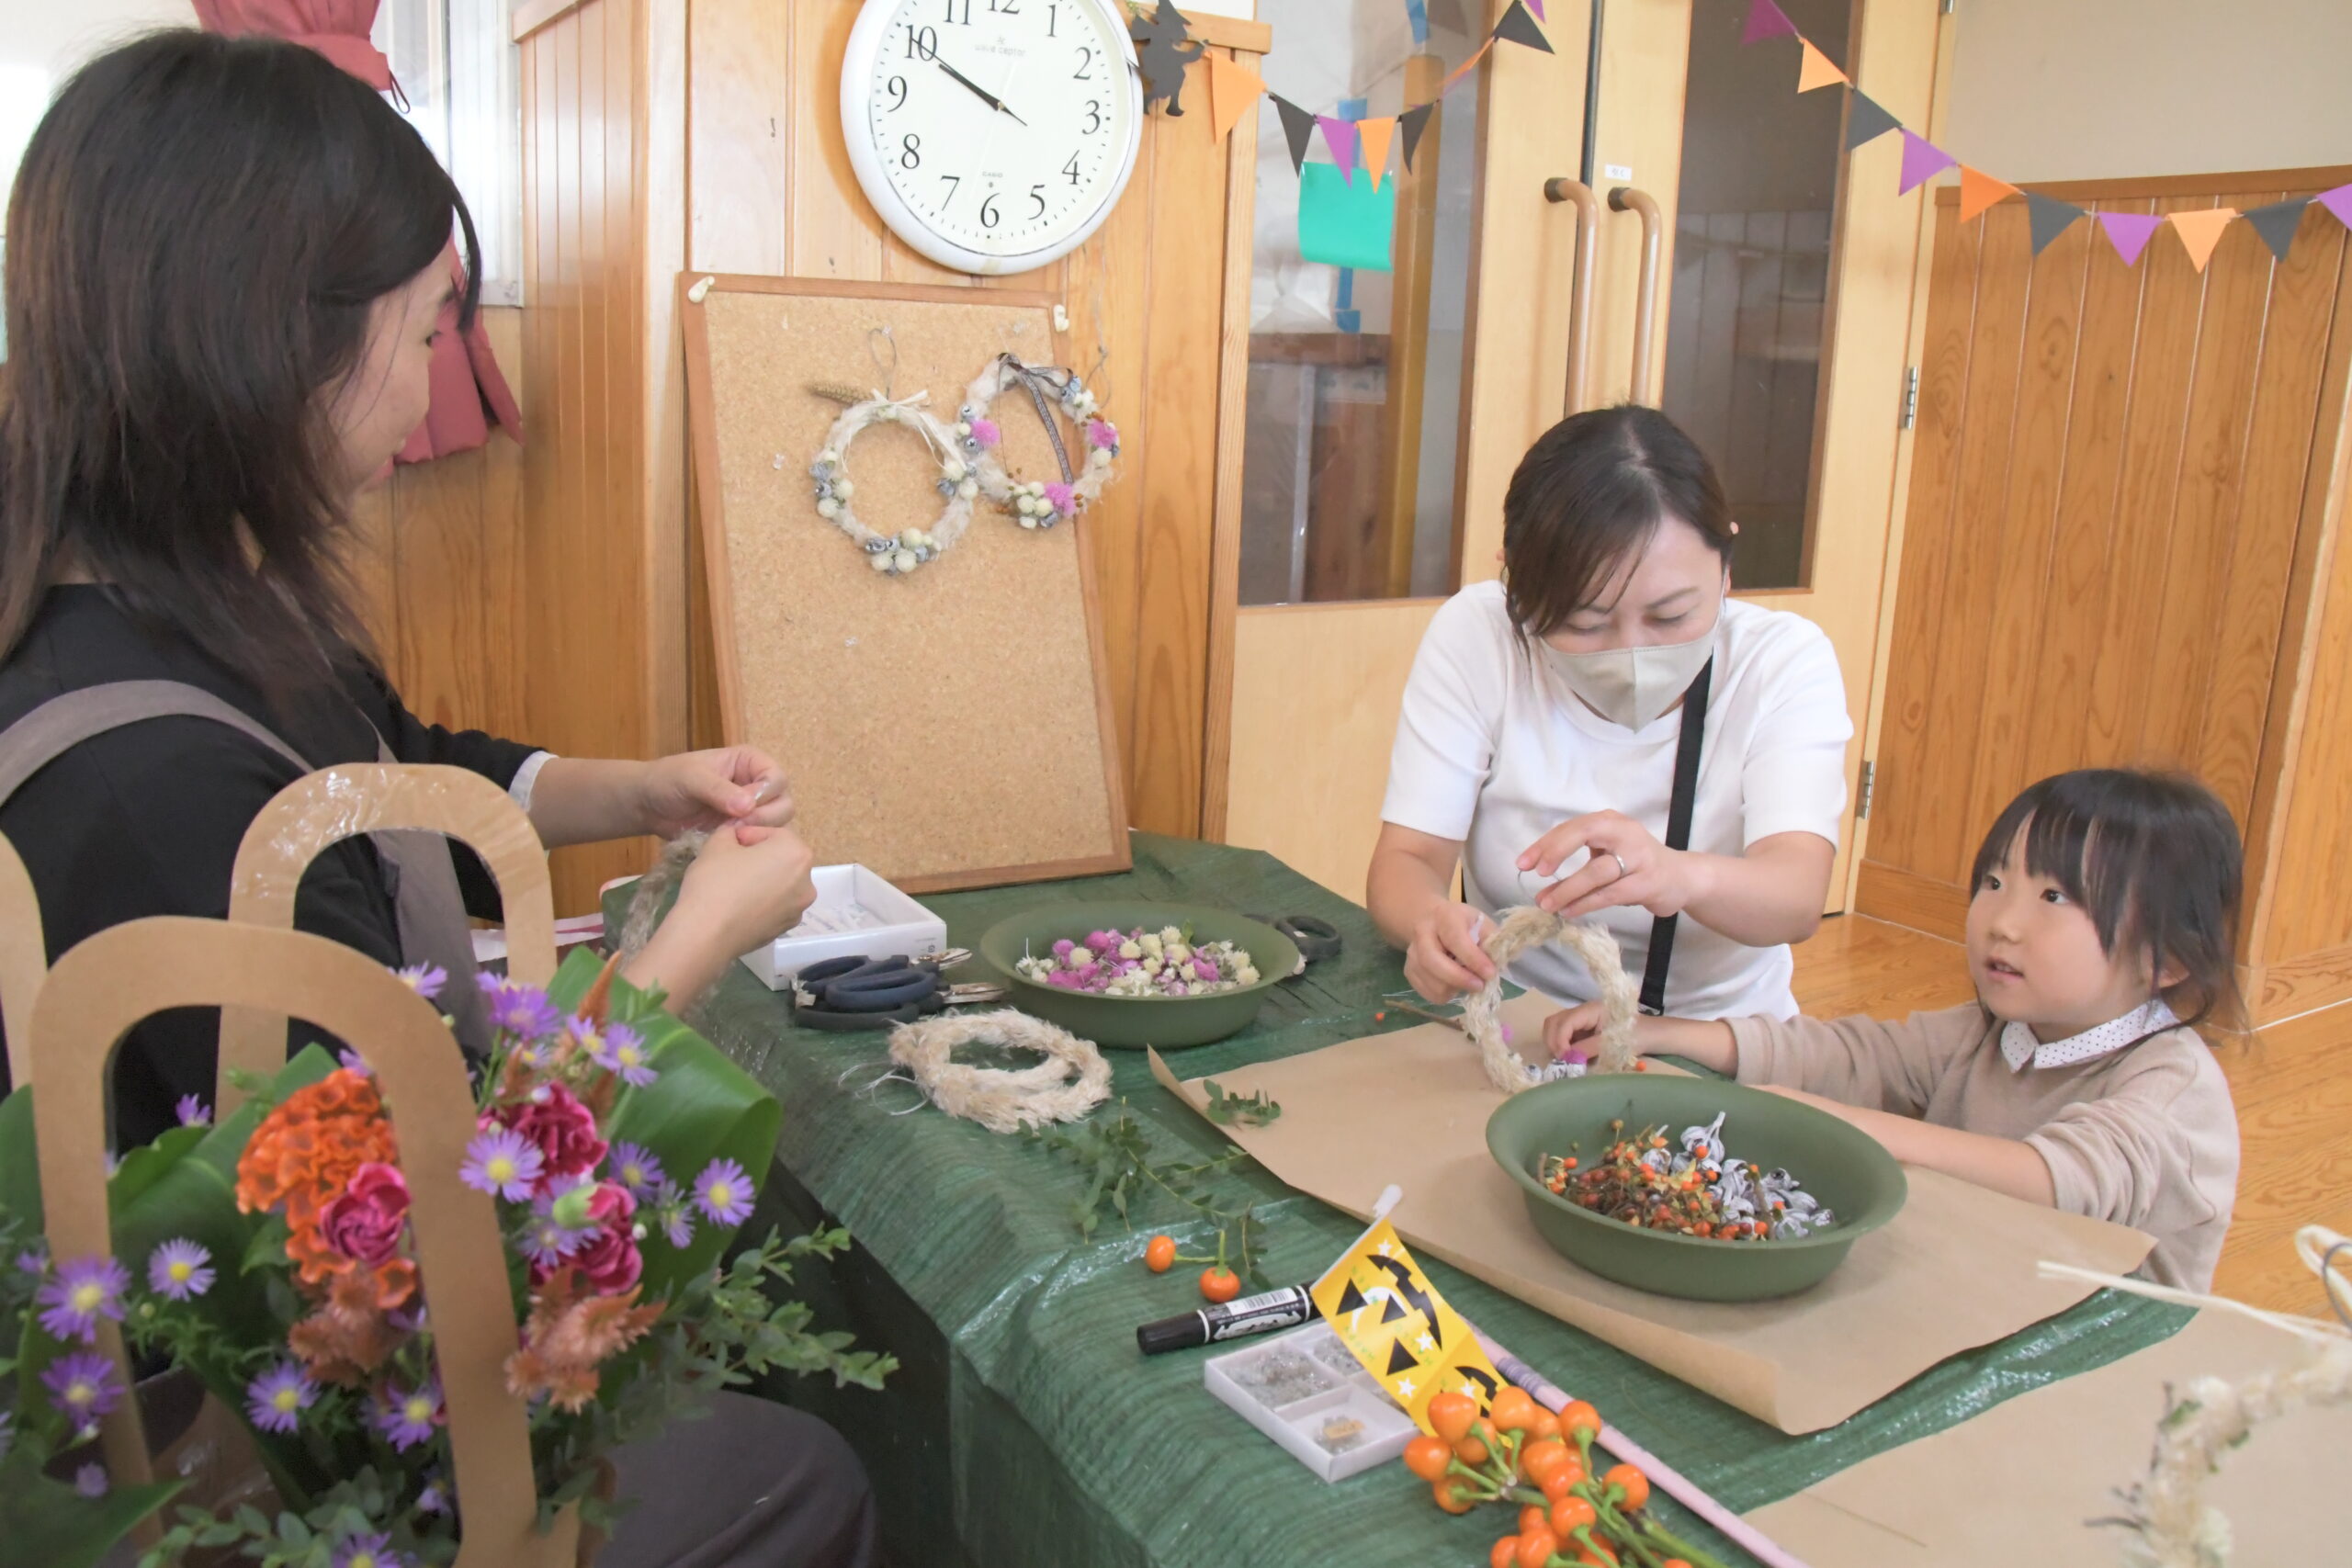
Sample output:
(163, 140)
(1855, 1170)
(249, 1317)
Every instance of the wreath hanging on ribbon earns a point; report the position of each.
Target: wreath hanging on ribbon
(1037, 503)
(897, 554)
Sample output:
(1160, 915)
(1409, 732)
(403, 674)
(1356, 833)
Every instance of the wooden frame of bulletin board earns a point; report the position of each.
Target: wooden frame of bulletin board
(952, 729)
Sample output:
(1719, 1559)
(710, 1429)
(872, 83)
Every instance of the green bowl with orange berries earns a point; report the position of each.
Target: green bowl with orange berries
(1843, 1168)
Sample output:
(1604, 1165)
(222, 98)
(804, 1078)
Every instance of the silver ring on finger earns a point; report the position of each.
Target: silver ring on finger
(1623, 871)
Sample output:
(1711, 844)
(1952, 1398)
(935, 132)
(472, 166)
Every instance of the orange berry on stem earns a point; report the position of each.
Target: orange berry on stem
(1570, 1515)
(1593, 1554)
(1504, 1554)
(1453, 1493)
(1578, 1416)
(1531, 1518)
(1470, 1451)
(1536, 1547)
(1674, 1562)
(1513, 1410)
(1220, 1284)
(1541, 1457)
(1160, 1254)
(1557, 1484)
(1632, 1483)
(1546, 1425)
(1429, 1457)
(1450, 1413)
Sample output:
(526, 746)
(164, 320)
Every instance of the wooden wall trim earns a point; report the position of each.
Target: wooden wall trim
(530, 16)
(2302, 984)
(1232, 425)
(1905, 899)
(2296, 181)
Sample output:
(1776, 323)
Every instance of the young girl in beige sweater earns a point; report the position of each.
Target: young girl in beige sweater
(2099, 933)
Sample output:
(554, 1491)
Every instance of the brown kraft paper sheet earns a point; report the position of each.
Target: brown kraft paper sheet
(1955, 1270)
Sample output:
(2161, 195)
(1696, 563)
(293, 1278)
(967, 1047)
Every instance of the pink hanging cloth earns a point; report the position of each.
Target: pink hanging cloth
(469, 391)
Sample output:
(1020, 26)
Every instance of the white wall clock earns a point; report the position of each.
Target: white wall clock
(993, 135)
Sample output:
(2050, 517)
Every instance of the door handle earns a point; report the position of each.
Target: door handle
(1580, 287)
(1626, 198)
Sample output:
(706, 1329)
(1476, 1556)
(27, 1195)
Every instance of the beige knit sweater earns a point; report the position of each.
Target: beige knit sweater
(2146, 1136)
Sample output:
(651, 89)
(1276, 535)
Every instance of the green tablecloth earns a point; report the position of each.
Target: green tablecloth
(1025, 1429)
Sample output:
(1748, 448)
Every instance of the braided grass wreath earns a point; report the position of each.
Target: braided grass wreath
(894, 554)
(1036, 503)
(1525, 928)
(1072, 1079)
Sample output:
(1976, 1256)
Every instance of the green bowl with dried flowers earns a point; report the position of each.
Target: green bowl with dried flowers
(1840, 1166)
(1020, 946)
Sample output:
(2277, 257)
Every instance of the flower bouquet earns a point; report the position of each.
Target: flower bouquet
(273, 1257)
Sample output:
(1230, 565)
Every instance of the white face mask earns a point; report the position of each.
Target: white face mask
(1631, 686)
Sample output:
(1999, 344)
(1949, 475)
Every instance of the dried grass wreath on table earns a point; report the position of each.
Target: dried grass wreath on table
(1521, 930)
(1072, 1079)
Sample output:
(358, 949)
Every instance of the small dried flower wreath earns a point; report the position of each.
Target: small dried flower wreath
(1036, 503)
(898, 554)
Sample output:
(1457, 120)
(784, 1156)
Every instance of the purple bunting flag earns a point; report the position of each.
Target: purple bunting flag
(1339, 136)
(1922, 161)
(2338, 201)
(1766, 20)
(2129, 232)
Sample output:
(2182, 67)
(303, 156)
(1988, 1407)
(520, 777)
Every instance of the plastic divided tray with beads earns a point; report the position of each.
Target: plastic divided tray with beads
(855, 913)
(1306, 1391)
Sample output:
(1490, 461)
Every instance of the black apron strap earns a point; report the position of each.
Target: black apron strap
(1677, 832)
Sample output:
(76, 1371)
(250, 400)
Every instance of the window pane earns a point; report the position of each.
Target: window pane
(1356, 374)
(1746, 324)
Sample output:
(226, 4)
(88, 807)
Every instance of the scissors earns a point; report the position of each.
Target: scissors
(856, 993)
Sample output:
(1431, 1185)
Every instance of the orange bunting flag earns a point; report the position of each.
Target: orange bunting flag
(1372, 140)
(1979, 190)
(1233, 87)
(2201, 230)
(1814, 69)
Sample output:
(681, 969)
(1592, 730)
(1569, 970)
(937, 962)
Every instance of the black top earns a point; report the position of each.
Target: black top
(145, 820)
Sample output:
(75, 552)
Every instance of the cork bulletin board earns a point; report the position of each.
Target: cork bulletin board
(950, 728)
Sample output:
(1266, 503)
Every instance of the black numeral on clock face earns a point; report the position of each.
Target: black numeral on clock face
(923, 43)
(966, 19)
(1071, 168)
(1085, 71)
(910, 152)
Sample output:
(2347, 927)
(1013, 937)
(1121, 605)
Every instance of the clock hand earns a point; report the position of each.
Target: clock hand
(979, 92)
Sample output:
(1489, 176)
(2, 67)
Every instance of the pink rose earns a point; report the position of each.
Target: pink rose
(564, 1131)
(364, 1224)
(609, 1261)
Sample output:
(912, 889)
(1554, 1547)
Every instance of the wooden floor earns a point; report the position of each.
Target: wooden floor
(2292, 1085)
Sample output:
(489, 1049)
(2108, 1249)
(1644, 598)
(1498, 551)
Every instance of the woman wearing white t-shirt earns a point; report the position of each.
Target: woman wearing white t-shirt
(1545, 716)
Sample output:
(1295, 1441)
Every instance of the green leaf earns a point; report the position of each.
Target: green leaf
(702, 1107)
(19, 1166)
(48, 1522)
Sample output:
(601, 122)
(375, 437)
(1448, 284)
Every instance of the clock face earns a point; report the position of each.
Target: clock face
(992, 135)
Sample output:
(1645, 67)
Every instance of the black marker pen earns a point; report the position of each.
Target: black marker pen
(1227, 1320)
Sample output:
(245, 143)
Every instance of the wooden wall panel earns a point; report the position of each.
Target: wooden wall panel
(2119, 551)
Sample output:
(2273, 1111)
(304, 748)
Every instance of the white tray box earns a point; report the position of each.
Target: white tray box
(1304, 1389)
(855, 913)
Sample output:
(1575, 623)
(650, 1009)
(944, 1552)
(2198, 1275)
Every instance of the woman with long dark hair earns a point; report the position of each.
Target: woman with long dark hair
(225, 267)
(224, 272)
(1607, 732)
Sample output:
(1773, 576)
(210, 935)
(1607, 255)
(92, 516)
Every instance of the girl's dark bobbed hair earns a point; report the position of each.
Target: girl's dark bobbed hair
(197, 234)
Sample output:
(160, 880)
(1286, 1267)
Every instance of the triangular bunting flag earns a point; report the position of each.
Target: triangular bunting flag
(2048, 218)
(1766, 20)
(1339, 136)
(1412, 124)
(1979, 190)
(1298, 129)
(1372, 138)
(1400, 1360)
(1233, 87)
(1815, 68)
(1866, 121)
(1537, 7)
(1518, 27)
(1922, 161)
(2129, 232)
(2338, 201)
(2201, 230)
(2276, 223)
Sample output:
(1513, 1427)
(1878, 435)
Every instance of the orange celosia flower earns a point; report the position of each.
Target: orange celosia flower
(303, 1157)
(570, 1335)
(349, 1337)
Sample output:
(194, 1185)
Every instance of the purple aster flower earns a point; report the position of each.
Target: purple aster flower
(353, 1062)
(33, 1259)
(434, 1499)
(90, 1480)
(424, 979)
(82, 1292)
(675, 1216)
(723, 1192)
(635, 1167)
(522, 1012)
(369, 1551)
(275, 1400)
(618, 1049)
(192, 1112)
(408, 1415)
(83, 1385)
(179, 1270)
(502, 1161)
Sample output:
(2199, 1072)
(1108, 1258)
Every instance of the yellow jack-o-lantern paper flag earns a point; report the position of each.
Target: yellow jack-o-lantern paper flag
(1386, 1311)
